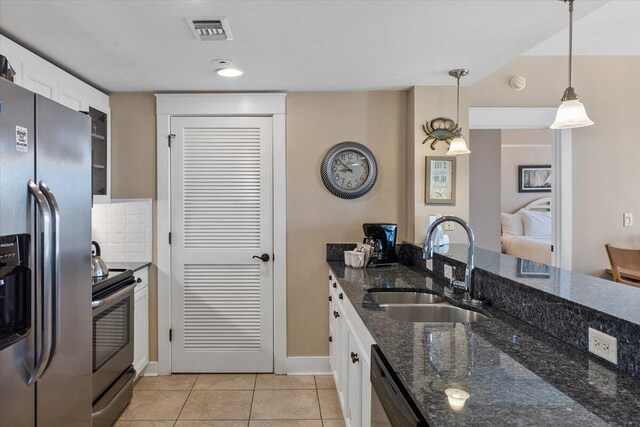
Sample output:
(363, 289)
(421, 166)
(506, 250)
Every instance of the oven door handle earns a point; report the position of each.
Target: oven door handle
(115, 296)
(44, 294)
(55, 268)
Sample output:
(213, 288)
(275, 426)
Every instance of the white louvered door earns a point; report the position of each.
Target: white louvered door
(221, 216)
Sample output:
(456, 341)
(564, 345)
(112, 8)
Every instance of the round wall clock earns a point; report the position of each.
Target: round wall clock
(349, 170)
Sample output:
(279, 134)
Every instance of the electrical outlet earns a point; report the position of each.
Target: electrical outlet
(603, 345)
(627, 219)
(448, 226)
(448, 271)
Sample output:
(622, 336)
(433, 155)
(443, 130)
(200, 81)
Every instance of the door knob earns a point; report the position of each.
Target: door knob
(263, 257)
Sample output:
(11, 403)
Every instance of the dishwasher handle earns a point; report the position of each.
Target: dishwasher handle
(394, 398)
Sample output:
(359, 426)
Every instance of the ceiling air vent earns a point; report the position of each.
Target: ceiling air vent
(210, 29)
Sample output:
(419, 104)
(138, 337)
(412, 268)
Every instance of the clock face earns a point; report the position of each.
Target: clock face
(349, 170)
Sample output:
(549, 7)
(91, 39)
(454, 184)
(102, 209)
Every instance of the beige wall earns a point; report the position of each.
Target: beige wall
(522, 147)
(133, 170)
(605, 156)
(484, 188)
(316, 122)
(428, 103)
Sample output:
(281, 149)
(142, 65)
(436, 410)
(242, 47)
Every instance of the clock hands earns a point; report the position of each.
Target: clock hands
(346, 168)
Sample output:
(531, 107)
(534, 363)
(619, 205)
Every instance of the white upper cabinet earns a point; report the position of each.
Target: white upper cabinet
(44, 78)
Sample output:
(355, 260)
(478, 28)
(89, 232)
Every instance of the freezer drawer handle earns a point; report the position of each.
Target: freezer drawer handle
(44, 317)
(55, 273)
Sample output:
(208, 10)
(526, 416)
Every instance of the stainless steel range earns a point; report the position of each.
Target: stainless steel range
(113, 372)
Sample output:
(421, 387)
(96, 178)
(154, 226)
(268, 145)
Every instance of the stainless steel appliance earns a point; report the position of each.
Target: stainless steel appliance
(45, 221)
(391, 404)
(382, 238)
(113, 373)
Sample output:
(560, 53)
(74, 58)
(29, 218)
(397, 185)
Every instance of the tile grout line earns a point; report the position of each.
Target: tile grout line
(318, 397)
(186, 400)
(253, 393)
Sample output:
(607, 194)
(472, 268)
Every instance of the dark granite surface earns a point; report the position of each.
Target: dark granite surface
(515, 374)
(599, 294)
(133, 266)
(335, 251)
(558, 310)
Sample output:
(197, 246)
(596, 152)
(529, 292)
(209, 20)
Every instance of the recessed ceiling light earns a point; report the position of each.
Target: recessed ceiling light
(229, 72)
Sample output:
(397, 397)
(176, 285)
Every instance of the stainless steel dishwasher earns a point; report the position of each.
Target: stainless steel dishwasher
(391, 404)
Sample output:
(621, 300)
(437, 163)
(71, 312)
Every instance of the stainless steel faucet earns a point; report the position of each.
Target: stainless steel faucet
(427, 250)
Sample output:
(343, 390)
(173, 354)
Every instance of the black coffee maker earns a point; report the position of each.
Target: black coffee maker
(382, 238)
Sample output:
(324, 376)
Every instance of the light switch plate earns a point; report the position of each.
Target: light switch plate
(627, 219)
(603, 345)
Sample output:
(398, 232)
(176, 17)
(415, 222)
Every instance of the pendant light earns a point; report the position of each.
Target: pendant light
(458, 145)
(571, 113)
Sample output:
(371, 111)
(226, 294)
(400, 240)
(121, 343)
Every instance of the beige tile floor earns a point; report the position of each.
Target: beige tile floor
(233, 400)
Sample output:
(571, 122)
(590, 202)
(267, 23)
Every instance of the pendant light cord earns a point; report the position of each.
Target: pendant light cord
(458, 104)
(570, 41)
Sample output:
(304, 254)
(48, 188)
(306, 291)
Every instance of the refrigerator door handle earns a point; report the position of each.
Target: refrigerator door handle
(55, 272)
(43, 285)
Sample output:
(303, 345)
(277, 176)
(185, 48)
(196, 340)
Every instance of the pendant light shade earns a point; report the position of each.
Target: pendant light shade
(458, 146)
(571, 113)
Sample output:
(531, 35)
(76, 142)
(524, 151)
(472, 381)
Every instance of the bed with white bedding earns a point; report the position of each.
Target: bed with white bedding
(527, 232)
(534, 248)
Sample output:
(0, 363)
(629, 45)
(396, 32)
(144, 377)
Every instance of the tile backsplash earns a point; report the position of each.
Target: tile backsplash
(123, 229)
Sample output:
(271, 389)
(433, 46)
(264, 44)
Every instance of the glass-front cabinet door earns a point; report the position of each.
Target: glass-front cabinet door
(99, 152)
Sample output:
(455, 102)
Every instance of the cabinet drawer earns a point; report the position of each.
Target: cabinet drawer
(143, 276)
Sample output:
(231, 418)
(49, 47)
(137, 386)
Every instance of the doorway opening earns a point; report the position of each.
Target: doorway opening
(520, 184)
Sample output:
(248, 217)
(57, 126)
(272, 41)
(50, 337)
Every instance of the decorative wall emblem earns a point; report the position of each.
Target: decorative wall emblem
(440, 129)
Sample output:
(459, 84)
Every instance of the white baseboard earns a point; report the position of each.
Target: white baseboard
(154, 369)
(304, 365)
(308, 365)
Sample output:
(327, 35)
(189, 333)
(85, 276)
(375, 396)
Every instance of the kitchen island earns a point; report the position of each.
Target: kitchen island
(515, 374)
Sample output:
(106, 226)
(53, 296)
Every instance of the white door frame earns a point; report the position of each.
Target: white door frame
(541, 118)
(221, 104)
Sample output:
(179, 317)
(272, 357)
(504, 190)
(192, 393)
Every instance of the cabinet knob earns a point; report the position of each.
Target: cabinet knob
(354, 357)
(336, 314)
(138, 280)
(330, 299)
(335, 285)
(341, 296)
(330, 339)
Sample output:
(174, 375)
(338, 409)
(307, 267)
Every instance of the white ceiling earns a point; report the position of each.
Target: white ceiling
(613, 29)
(283, 45)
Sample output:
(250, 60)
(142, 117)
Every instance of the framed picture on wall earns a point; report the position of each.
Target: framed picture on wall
(534, 179)
(440, 185)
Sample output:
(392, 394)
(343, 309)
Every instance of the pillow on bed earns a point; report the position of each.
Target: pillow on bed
(512, 224)
(536, 223)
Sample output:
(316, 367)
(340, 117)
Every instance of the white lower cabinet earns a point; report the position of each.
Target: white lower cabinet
(350, 352)
(141, 322)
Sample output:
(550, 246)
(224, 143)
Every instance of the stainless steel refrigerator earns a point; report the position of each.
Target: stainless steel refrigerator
(45, 266)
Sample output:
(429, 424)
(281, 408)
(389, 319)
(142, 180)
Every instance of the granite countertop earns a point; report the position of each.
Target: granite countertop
(599, 294)
(515, 374)
(122, 266)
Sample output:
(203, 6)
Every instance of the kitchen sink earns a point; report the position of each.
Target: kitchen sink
(434, 313)
(405, 298)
